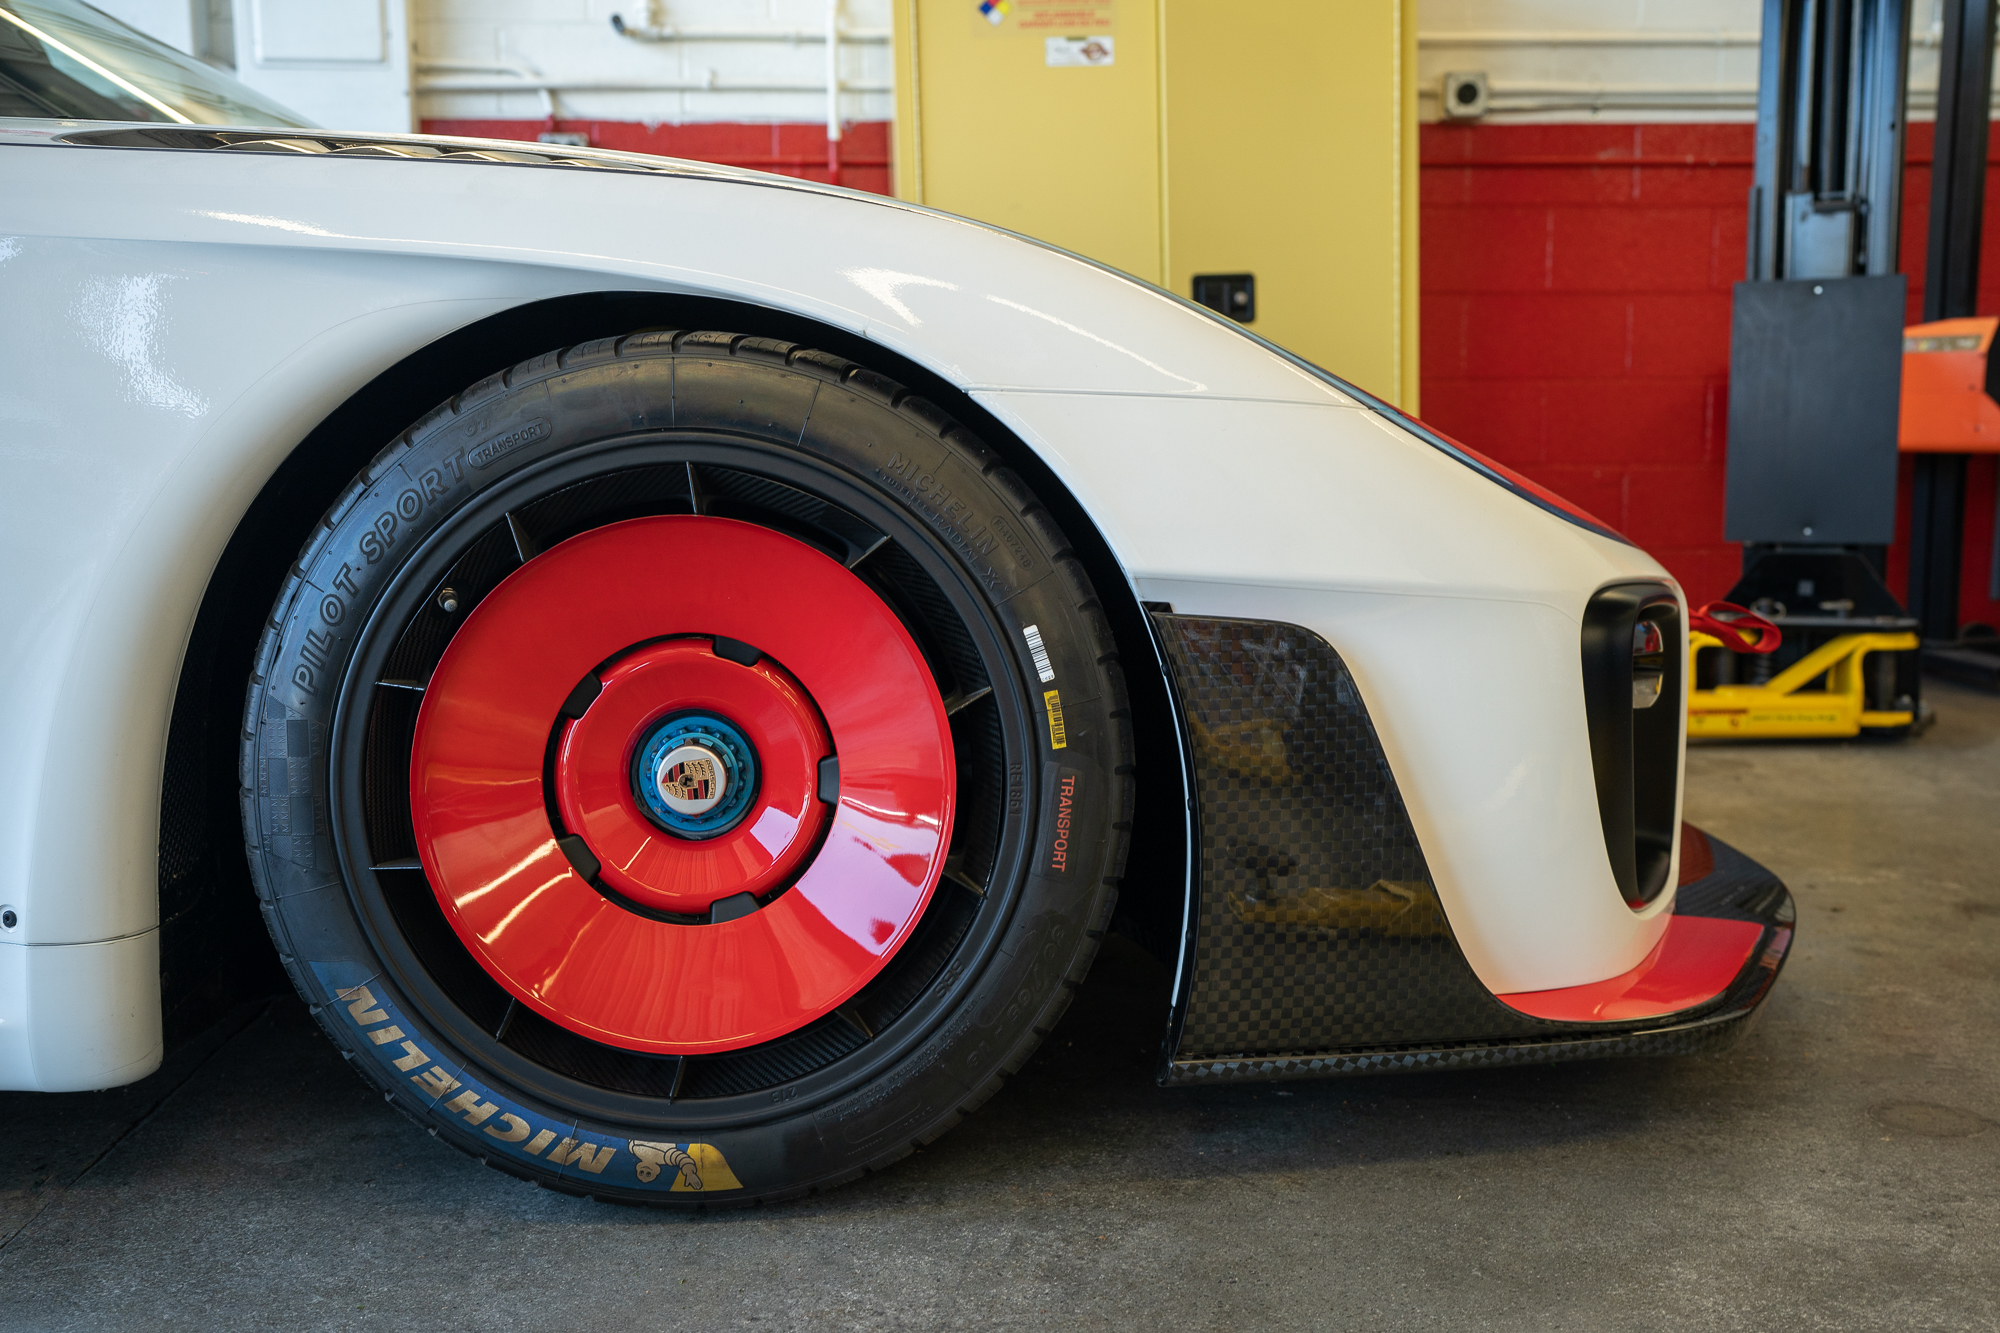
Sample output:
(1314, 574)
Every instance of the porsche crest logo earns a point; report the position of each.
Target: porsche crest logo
(690, 780)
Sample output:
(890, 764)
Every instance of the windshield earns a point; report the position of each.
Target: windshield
(64, 60)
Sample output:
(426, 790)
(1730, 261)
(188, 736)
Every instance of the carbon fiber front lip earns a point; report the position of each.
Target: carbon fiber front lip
(1737, 889)
(1709, 1036)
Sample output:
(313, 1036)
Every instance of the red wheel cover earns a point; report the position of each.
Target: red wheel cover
(833, 650)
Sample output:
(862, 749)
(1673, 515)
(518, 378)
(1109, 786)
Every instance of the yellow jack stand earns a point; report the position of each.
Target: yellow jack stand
(1783, 707)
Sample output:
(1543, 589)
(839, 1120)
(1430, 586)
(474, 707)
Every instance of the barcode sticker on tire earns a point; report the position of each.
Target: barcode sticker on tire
(1033, 634)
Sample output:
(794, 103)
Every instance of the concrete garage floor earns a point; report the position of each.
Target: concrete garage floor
(1839, 1170)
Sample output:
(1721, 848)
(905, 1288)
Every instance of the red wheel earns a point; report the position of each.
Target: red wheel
(774, 949)
(687, 769)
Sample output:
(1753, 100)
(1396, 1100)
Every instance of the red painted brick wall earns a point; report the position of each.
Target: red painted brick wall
(797, 149)
(1576, 283)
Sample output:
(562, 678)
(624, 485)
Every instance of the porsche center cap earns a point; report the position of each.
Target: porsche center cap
(691, 780)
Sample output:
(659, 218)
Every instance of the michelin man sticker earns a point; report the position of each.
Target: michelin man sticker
(1062, 51)
(701, 1166)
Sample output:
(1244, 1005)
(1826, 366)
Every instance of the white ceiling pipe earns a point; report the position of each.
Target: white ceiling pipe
(1510, 88)
(634, 85)
(1587, 38)
(519, 70)
(1509, 96)
(643, 32)
(1689, 39)
(833, 90)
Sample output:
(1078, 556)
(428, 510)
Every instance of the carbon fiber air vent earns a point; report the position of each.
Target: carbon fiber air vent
(181, 139)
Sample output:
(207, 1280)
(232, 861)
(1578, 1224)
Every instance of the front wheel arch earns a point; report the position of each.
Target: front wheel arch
(214, 948)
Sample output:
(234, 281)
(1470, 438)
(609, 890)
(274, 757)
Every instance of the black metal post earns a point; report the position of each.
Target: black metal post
(1937, 539)
(1773, 152)
(1951, 291)
(1958, 162)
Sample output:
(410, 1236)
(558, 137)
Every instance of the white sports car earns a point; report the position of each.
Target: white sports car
(696, 659)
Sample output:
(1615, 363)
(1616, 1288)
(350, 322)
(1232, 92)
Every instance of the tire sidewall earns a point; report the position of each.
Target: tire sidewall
(504, 430)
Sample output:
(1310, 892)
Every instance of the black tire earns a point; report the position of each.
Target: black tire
(826, 451)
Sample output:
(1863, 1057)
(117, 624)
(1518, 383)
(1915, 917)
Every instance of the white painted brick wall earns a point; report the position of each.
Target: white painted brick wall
(1575, 67)
(573, 39)
(171, 21)
(1582, 60)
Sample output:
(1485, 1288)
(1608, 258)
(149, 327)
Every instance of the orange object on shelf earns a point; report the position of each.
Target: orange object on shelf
(1948, 404)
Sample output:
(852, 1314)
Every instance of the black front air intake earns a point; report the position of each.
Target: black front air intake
(1633, 652)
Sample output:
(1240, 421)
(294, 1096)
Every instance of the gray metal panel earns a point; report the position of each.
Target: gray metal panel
(1815, 380)
(1770, 179)
(1826, 197)
(1885, 97)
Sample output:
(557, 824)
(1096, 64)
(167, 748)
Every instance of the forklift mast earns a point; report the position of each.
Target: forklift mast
(1829, 163)
(1817, 326)
(1816, 346)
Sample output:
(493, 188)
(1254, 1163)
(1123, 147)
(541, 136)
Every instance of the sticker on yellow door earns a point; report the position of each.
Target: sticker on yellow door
(1061, 51)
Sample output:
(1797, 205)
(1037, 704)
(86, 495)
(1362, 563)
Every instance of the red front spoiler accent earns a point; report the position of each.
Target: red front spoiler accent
(1692, 964)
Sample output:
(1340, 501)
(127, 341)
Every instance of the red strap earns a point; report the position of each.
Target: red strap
(1727, 621)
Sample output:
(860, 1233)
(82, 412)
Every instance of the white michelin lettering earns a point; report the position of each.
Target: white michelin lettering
(362, 1006)
(511, 1129)
(591, 1159)
(434, 1081)
(467, 1104)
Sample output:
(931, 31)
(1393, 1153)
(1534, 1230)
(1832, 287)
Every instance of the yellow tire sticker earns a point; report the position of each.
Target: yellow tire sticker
(1058, 738)
(700, 1166)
